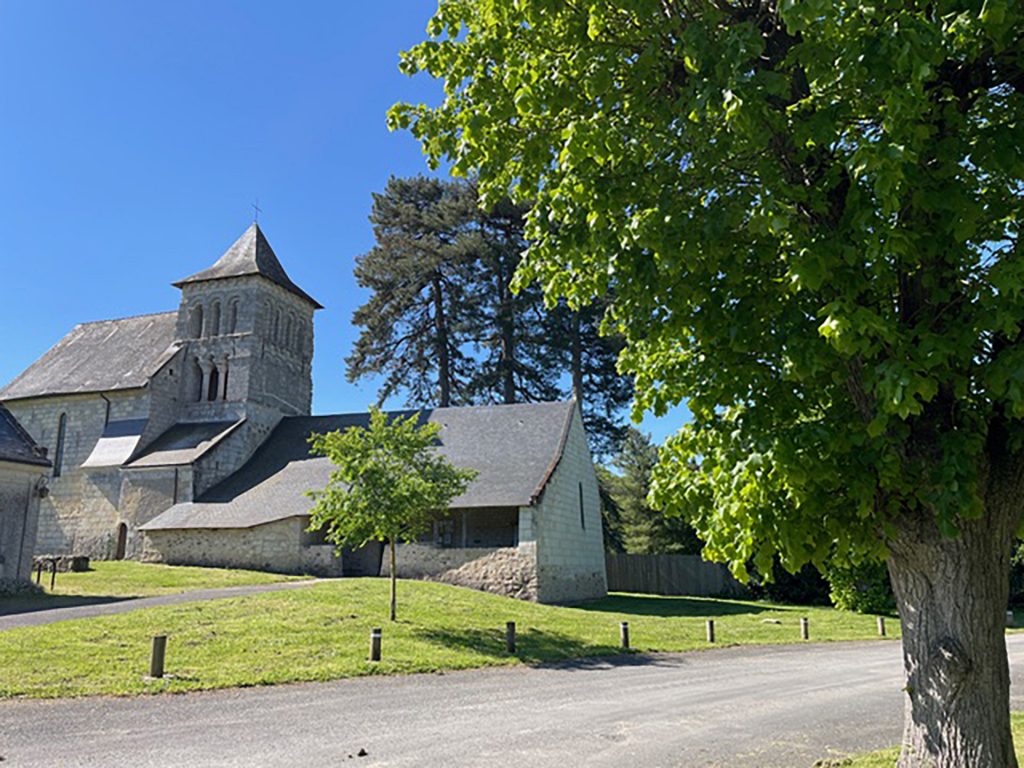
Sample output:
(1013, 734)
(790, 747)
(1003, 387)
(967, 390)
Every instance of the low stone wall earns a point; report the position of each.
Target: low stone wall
(508, 571)
(270, 547)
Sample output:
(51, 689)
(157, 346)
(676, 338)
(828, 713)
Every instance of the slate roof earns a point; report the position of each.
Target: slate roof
(100, 357)
(16, 445)
(513, 447)
(184, 443)
(250, 254)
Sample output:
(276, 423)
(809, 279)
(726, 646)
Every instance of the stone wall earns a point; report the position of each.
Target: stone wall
(271, 547)
(570, 546)
(80, 515)
(19, 514)
(509, 571)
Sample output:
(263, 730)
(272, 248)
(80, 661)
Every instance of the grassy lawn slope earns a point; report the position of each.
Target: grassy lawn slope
(322, 633)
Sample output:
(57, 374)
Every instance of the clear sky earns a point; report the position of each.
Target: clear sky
(135, 136)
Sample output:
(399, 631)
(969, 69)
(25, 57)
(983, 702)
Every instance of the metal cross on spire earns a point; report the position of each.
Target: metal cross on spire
(256, 211)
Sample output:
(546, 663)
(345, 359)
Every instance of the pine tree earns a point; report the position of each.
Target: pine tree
(644, 530)
(415, 322)
(519, 362)
(590, 359)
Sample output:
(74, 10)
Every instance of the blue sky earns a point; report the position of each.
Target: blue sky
(136, 135)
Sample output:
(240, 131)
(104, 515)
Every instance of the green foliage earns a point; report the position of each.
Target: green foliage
(643, 529)
(805, 587)
(443, 327)
(807, 215)
(863, 588)
(415, 325)
(389, 482)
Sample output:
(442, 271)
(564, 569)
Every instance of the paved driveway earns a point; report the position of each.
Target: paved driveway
(774, 706)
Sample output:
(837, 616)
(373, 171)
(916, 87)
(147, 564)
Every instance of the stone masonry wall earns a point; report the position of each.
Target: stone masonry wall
(80, 515)
(570, 552)
(270, 547)
(509, 571)
(19, 514)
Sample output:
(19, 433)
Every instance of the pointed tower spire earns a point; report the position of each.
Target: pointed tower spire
(250, 254)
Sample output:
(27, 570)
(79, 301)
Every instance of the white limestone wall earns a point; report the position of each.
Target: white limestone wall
(81, 513)
(570, 550)
(19, 515)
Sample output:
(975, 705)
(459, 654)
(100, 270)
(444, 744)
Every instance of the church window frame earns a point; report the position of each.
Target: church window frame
(214, 320)
(195, 322)
(58, 452)
(213, 387)
(232, 318)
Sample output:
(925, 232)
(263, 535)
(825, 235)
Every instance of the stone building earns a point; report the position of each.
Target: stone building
(181, 437)
(24, 470)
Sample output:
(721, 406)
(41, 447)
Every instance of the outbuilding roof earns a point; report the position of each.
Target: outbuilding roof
(250, 254)
(514, 448)
(16, 445)
(100, 357)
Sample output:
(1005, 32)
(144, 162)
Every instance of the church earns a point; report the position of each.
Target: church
(181, 437)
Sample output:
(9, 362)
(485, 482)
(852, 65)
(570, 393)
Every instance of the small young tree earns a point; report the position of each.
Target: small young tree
(388, 483)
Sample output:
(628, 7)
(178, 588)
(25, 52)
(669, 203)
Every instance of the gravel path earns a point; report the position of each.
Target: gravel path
(111, 606)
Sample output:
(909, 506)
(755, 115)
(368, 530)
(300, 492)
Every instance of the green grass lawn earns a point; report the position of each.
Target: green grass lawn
(322, 633)
(121, 579)
(886, 758)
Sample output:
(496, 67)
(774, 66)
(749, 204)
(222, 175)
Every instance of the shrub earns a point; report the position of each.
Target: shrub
(863, 588)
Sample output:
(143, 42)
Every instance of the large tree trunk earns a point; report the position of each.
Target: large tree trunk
(576, 352)
(952, 595)
(444, 373)
(506, 328)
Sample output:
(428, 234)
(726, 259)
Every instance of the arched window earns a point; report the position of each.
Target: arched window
(211, 390)
(232, 316)
(195, 322)
(197, 373)
(214, 327)
(58, 453)
(286, 338)
(276, 335)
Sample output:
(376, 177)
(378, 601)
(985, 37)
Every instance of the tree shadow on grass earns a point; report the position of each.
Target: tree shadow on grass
(682, 607)
(538, 647)
(30, 603)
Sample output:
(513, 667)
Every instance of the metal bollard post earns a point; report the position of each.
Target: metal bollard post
(881, 626)
(710, 626)
(510, 636)
(375, 644)
(624, 634)
(156, 659)
(804, 630)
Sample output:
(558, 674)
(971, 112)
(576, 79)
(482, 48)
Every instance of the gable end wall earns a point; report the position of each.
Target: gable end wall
(570, 558)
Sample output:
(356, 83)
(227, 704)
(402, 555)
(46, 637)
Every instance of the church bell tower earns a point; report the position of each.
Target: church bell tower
(246, 331)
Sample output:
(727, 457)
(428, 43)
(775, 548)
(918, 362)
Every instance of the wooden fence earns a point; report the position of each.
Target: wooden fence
(670, 575)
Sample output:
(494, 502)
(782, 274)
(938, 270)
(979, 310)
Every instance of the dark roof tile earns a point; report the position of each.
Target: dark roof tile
(250, 254)
(100, 357)
(512, 447)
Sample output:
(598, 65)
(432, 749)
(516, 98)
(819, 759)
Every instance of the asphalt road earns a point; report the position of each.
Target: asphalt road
(774, 706)
(18, 617)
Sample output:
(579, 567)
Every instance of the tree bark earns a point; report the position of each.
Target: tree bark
(444, 374)
(576, 352)
(506, 327)
(952, 595)
(394, 580)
